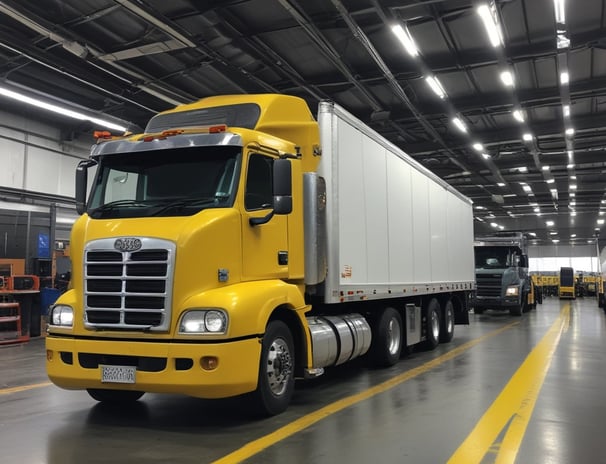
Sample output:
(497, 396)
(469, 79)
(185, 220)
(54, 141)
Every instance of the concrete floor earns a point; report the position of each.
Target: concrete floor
(423, 414)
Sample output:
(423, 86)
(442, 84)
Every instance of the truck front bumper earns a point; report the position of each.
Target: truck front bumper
(495, 303)
(165, 367)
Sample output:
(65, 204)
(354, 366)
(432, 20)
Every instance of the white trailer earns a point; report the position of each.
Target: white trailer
(398, 240)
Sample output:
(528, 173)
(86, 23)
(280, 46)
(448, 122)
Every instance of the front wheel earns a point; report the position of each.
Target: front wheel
(276, 381)
(114, 396)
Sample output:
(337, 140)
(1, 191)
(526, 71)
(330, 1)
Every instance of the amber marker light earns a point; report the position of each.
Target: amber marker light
(209, 363)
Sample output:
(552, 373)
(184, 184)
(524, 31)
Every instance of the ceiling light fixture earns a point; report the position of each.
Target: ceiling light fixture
(507, 78)
(460, 125)
(550, 181)
(549, 223)
(564, 78)
(518, 115)
(545, 168)
(562, 41)
(560, 13)
(489, 18)
(570, 166)
(501, 184)
(485, 156)
(435, 85)
(60, 110)
(478, 146)
(527, 137)
(566, 110)
(570, 131)
(403, 34)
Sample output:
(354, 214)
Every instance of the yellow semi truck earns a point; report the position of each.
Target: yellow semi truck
(239, 244)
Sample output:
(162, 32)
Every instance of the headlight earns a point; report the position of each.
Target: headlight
(512, 291)
(199, 321)
(62, 315)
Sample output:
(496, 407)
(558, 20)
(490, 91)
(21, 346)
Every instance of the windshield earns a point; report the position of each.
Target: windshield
(494, 257)
(177, 182)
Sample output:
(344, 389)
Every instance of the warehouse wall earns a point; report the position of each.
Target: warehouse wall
(34, 158)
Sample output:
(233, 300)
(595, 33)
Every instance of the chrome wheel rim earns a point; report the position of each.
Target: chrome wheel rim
(393, 336)
(279, 366)
(449, 320)
(435, 325)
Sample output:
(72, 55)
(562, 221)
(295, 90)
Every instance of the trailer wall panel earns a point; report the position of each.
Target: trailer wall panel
(393, 228)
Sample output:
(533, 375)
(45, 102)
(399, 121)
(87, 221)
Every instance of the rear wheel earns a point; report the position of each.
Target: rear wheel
(114, 396)
(276, 381)
(447, 323)
(386, 338)
(432, 325)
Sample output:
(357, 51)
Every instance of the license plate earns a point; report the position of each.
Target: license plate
(118, 374)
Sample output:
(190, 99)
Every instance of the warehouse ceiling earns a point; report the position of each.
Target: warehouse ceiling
(528, 147)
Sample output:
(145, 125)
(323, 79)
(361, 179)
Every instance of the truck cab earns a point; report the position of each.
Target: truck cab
(502, 278)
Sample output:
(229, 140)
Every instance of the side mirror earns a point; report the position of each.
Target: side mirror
(282, 181)
(523, 261)
(81, 184)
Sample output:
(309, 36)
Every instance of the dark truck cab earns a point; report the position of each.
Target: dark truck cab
(502, 278)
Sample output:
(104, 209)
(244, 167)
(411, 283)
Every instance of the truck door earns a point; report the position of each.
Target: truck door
(264, 246)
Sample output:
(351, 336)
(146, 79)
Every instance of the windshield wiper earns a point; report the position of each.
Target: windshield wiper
(188, 202)
(112, 205)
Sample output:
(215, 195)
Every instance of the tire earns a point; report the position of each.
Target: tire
(518, 309)
(276, 382)
(432, 325)
(387, 337)
(114, 396)
(447, 323)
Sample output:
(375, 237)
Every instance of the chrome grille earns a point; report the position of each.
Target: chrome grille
(128, 290)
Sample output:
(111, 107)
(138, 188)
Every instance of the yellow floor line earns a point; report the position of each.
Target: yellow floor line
(256, 446)
(512, 409)
(6, 391)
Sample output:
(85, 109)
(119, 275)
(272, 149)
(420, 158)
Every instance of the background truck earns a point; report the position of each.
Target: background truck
(566, 287)
(502, 278)
(238, 244)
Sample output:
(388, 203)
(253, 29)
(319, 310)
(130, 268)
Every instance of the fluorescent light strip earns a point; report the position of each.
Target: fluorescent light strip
(560, 13)
(564, 78)
(403, 34)
(566, 110)
(518, 115)
(435, 85)
(59, 110)
(460, 125)
(488, 15)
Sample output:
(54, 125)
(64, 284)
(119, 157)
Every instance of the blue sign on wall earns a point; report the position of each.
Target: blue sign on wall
(43, 246)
